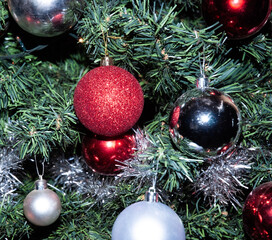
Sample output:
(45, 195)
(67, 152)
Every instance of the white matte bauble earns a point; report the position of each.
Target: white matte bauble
(148, 221)
(45, 18)
(42, 206)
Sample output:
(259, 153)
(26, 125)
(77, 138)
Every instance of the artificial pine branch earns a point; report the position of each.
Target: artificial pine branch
(163, 44)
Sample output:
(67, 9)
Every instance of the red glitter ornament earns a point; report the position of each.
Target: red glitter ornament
(240, 18)
(103, 155)
(257, 213)
(108, 100)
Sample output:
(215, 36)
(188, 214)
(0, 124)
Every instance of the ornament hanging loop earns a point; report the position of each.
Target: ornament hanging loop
(106, 60)
(151, 195)
(202, 82)
(37, 169)
(40, 184)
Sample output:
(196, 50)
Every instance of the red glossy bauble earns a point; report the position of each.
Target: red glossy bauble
(103, 155)
(108, 100)
(240, 18)
(257, 213)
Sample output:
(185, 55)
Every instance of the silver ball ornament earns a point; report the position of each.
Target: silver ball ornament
(45, 18)
(205, 121)
(42, 206)
(148, 220)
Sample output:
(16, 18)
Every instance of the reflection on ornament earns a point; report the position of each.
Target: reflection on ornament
(205, 120)
(257, 213)
(236, 4)
(105, 155)
(45, 18)
(42, 206)
(240, 18)
(147, 220)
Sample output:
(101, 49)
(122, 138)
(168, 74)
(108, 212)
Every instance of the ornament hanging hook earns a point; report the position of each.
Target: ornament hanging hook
(106, 60)
(37, 169)
(202, 64)
(202, 82)
(105, 40)
(156, 172)
(151, 195)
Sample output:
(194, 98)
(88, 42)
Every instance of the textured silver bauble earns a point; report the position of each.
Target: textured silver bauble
(42, 206)
(45, 18)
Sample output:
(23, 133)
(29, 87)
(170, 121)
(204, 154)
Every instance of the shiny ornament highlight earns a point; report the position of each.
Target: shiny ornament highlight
(108, 100)
(240, 18)
(105, 155)
(45, 18)
(148, 220)
(257, 213)
(206, 121)
(42, 206)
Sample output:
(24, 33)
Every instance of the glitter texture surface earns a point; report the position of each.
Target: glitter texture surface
(108, 100)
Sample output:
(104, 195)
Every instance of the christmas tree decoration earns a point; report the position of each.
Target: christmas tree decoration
(148, 219)
(257, 214)
(221, 181)
(105, 155)
(42, 206)
(240, 18)
(9, 163)
(45, 18)
(108, 100)
(205, 120)
(73, 175)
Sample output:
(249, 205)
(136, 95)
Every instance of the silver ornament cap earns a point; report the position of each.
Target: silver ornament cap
(202, 83)
(151, 195)
(42, 206)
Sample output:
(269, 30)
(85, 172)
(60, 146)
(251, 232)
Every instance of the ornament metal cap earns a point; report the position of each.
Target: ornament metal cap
(40, 184)
(151, 195)
(106, 61)
(202, 83)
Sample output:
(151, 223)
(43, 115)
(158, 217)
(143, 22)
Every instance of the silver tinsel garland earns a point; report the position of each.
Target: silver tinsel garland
(73, 174)
(9, 165)
(223, 180)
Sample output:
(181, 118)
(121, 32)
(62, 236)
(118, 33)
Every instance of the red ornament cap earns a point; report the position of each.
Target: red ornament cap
(108, 100)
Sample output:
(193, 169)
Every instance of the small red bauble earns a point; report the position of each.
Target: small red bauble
(103, 155)
(108, 100)
(257, 213)
(240, 18)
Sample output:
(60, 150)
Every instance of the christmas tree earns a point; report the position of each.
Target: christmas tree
(166, 46)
